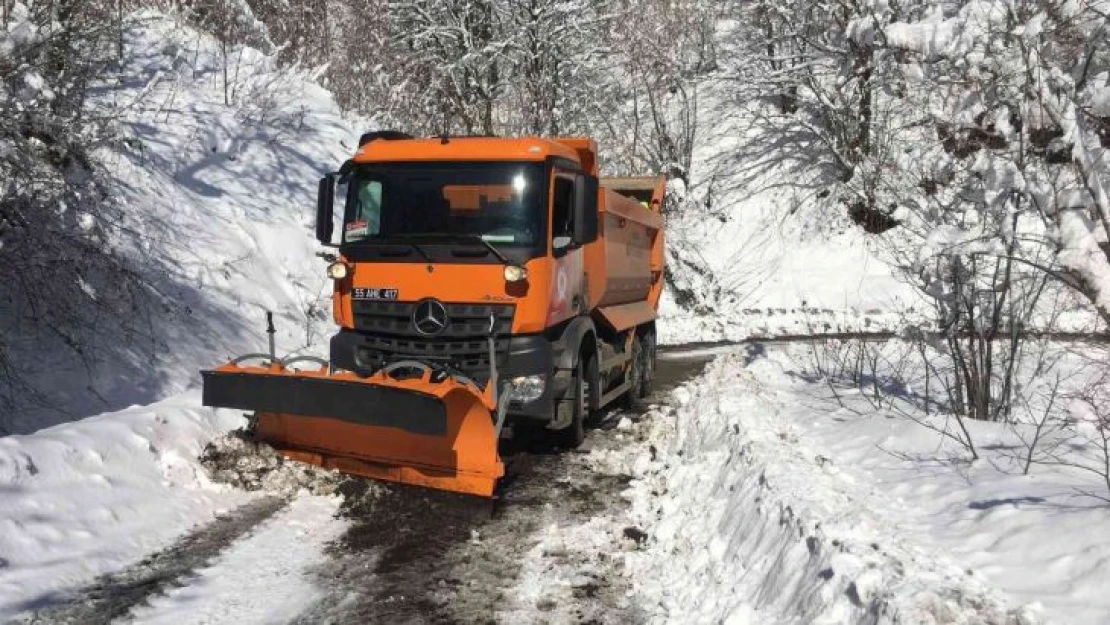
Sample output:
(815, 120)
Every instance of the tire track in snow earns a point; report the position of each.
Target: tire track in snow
(263, 578)
(418, 556)
(112, 596)
(379, 570)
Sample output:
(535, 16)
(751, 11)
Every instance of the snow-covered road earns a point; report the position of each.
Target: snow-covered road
(266, 577)
(542, 552)
(742, 495)
(251, 565)
(545, 551)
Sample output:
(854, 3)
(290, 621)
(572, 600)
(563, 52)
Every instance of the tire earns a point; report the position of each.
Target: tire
(571, 437)
(649, 352)
(631, 398)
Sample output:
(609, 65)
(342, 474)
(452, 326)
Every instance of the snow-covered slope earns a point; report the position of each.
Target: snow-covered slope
(220, 200)
(747, 527)
(763, 255)
(1039, 536)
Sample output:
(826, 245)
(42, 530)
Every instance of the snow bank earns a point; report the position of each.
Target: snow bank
(747, 525)
(220, 205)
(87, 498)
(1034, 536)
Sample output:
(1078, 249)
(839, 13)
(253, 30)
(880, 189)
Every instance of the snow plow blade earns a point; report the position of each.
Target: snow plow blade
(428, 429)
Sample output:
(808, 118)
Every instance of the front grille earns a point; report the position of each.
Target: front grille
(388, 335)
(466, 320)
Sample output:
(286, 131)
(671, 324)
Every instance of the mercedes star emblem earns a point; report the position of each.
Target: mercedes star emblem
(429, 317)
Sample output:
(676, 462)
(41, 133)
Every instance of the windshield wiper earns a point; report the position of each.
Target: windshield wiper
(409, 244)
(450, 236)
(393, 240)
(420, 250)
(489, 246)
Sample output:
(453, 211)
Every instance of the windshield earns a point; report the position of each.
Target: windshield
(501, 203)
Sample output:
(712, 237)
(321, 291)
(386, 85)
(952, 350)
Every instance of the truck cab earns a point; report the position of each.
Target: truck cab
(446, 242)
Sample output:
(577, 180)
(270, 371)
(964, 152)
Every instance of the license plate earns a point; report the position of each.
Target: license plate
(374, 293)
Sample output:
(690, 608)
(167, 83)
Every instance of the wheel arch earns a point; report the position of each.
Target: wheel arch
(578, 337)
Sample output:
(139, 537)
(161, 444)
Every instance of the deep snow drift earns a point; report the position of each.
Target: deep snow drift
(766, 502)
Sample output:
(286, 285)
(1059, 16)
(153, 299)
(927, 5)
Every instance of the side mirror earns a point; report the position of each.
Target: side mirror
(585, 206)
(560, 244)
(325, 209)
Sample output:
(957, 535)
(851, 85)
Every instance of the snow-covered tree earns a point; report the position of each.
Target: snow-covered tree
(563, 65)
(668, 49)
(454, 54)
(56, 227)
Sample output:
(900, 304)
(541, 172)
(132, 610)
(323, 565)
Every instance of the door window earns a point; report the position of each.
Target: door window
(562, 208)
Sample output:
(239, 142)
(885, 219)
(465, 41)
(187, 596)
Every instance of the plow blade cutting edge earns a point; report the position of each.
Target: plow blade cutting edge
(430, 430)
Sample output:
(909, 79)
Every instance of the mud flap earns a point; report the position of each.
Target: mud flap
(432, 431)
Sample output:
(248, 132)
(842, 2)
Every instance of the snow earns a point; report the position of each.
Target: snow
(767, 501)
(931, 38)
(565, 559)
(19, 29)
(264, 578)
(765, 260)
(987, 515)
(226, 196)
(222, 201)
(756, 497)
(1100, 95)
(87, 498)
(1081, 252)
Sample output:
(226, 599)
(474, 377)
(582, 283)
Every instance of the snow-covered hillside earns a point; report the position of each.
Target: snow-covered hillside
(220, 203)
(222, 200)
(760, 255)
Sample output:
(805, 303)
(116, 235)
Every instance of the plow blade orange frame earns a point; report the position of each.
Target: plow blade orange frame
(422, 431)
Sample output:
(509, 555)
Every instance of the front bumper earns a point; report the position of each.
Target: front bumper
(520, 355)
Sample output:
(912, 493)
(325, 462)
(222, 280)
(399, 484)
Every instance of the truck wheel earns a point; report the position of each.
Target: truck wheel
(632, 396)
(572, 436)
(649, 353)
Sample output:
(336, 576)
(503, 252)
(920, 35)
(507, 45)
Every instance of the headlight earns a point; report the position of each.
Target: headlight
(337, 271)
(515, 273)
(527, 388)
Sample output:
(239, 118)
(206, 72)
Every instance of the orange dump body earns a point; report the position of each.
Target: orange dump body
(626, 262)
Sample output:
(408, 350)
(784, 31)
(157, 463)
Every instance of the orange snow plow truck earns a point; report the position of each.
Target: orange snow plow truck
(483, 287)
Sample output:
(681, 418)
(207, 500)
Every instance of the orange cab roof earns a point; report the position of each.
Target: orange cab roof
(463, 149)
